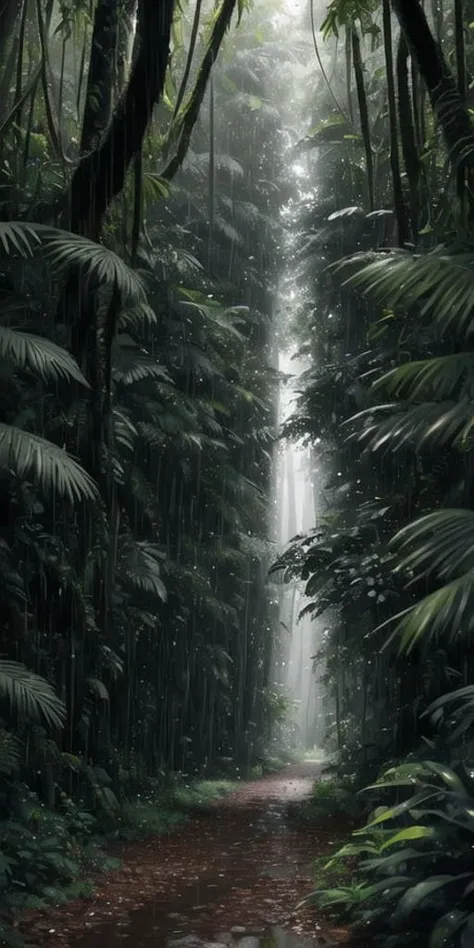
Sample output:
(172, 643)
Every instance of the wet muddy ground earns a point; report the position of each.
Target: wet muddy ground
(230, 877)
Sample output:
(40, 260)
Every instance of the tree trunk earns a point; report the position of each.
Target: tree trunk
(407, 134)
(189, 59)
(446, 101)
(9, 13)
(125, 41)
(398, 198)
(100, 79)
(364, 116)
(183, 130)
(100, 175)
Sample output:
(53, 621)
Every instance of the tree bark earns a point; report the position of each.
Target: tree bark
(189, 59)
(125, 41)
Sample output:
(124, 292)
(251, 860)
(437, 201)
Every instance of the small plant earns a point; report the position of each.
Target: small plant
(165, 807)
(331, 798)
(332, 874)
(201, 793)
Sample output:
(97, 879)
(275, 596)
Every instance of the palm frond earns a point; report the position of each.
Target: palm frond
(137, 316)
(125, 431)
(29, 695)
(397, 426)
(226, 318)
(11, 583)
(228, 231)
(16, 235)
(51, 467)
(97, 688)
(40, 355)
(428, 379)
(441, 282)
(10, 753)
(154, 188)
(455, 709)
(448, 612)
(199, 163)
(131, 364)
(441, 543)
(65, 250)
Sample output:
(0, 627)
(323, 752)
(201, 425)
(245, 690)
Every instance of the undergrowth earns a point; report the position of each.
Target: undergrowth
(331, 798)
(406, 878)
(48, 858)
(160, 813)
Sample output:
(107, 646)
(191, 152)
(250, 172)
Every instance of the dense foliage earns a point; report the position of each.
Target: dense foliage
(385, 236)
(146, 153)
(137, 278)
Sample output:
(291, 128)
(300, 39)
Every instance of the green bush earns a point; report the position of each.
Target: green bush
(331, 798)
(414, 882)
(45, 856)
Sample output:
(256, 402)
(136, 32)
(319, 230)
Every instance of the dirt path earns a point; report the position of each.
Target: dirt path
(240, 865)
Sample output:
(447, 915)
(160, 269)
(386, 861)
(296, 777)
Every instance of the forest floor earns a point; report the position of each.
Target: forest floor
(241, 866)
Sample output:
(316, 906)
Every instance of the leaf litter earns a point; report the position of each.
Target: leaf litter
(241, 865)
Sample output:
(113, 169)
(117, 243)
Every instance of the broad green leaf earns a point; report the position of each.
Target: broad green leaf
(446, 927)
(352, 849)
(448, 776)
(405, 835)
(392, 813)
(418, 893)
(401, 856)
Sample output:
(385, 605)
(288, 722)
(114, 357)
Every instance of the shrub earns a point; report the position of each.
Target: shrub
(414, 883)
